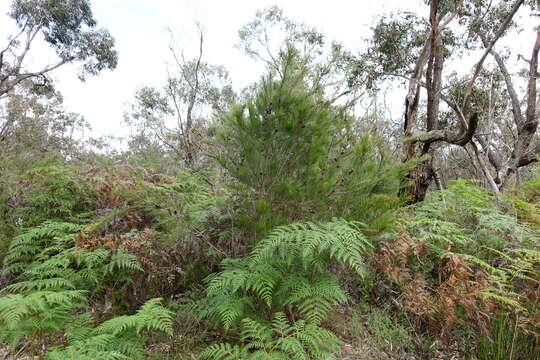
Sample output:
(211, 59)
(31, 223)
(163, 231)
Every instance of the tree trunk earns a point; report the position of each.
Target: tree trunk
(419, 180)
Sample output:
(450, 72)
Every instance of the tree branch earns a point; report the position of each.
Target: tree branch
(480, 63)
(456, 138)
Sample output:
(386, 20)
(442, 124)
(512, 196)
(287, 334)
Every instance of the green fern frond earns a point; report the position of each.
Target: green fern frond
(151, 316)
(40, 284)
(288, 269)
(224, 352)
(117, 338)
(278, 339)
(14, 308)
(340, 239)
(123, 261)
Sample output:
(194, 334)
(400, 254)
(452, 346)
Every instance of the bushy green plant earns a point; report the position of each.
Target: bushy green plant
(466, 219)
(46, 289)
(54, 192)
(52, 281)
(295, 156)
(526, 199)
(179, 205)
(46, 256)
(277, 340)
(117, 338)
(286, 273)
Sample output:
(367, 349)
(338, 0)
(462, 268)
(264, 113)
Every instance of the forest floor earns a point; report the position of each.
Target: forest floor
(370, 351)
(369, 333)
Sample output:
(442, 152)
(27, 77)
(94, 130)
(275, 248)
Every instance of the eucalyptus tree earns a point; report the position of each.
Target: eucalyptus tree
(506, 160)
(36, 123)
(33, 121)
(324, 67)
(39, 127)
(68, 27)
(175, 118)
(429, 54)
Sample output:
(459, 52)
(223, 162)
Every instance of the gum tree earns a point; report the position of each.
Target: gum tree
(441, 105)
(68, 27)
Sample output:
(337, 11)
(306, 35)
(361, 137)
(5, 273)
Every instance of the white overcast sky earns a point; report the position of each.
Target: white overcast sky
(140, 30)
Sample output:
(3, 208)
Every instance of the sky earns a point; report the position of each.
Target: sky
(140, 28)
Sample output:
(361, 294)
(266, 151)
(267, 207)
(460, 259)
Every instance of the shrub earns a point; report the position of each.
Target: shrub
(52, 281)
(295, 156)
(460, 260)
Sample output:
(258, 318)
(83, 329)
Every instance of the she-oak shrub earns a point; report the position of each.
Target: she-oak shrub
(295, 156)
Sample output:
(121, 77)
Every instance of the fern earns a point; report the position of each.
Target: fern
(288, 268)
(37, 313)
(123, 261)
(117, 338)
(225, 352)
(462, 258)
(31, 244)
(52, 281)
(151, 316)
(277, 340)
(314, 297)
(339, 239)
(54, 193)
(286, 272)
(465, 219)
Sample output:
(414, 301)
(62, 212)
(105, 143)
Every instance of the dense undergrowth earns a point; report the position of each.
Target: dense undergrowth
(294, 249)
(94, 255)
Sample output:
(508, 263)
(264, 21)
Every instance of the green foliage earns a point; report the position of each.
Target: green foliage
(526, 199)
(506, 342)
(387, 331)
(466, 219)
(276, 142)
(55, 192)
(289, 267)
(462, 254)
(117, 338)
(178, 205)
(277, 340)
(70, 29)
(45, 257)
(396, 44)
(286, 272)
(52, 281)
(37, 313)
(295, 156)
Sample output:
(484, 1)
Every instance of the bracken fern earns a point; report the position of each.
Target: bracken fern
(52, 281)
(286, 273)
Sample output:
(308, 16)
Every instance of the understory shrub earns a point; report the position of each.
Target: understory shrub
(276, 298)
(295, 156)
(53, 281)
(87, 240)
(462, 260)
